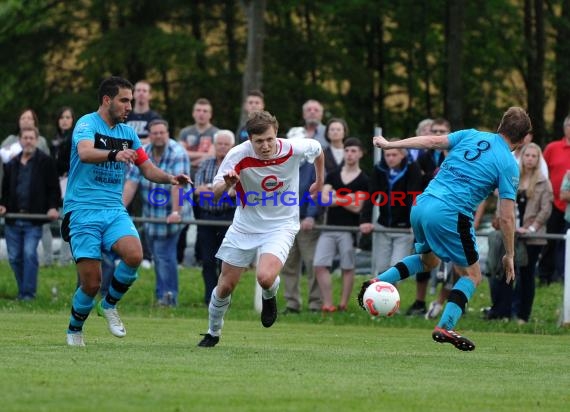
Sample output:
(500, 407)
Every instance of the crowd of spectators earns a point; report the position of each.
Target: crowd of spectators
(198, 150)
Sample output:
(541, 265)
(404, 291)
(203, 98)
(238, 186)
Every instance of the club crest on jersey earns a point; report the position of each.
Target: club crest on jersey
(271, 183)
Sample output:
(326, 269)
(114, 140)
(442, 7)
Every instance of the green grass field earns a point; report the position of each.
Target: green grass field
(307, 362)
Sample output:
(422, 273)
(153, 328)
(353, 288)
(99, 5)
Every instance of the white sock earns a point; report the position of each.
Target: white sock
(272, 291)
(216, 311)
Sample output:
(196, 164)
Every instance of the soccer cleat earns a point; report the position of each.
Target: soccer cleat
(208, 341)
(114, 322)
(450, 336)
(269, 311)
(434, 309)
(75, 339)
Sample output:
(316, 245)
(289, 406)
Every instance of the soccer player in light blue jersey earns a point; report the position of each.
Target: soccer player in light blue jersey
(442, 219)
(103, 148)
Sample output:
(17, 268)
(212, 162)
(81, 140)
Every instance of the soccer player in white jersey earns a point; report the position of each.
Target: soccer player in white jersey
(265, 173)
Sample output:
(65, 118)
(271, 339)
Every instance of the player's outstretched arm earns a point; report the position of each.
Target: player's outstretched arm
(440, 142)
(157, 175)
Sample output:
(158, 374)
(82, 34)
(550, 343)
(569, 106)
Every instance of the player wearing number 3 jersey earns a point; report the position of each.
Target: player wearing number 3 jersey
(442, 219)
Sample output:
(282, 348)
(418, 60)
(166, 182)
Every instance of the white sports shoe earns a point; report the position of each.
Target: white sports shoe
(114, 322)
(434, 310)
(75, 339)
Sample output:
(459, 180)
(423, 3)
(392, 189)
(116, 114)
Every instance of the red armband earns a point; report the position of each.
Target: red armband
(141, 156)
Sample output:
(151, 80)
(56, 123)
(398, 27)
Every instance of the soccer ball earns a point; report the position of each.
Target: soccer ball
(381, 299)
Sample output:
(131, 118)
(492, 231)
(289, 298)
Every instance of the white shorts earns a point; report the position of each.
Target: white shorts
(240, 249)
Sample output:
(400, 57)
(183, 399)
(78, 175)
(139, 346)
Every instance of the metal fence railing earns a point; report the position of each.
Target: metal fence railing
(565, 315)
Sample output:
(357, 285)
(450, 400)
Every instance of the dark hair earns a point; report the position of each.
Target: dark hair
(111, 85)
(255, 93)
(442, 121)
(515, 124)
(259, 122)
(25, 129)
(59, 113)
(336, 120)
(353, 141)
(157, 121)
(34, 115)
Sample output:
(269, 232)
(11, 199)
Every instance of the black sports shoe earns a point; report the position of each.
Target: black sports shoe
(208, 341)
(450, 336)
(417, 309)
(269, 311)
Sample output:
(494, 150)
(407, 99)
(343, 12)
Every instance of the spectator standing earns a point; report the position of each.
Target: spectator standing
(95, 218)
(11, 147)
(335, 133)
(259, 168)
(557, 156)
(534, 202)
(30, 185)
(170, 157)
(141, 115)
(254, 102)
(198, 138)
(394, 185)
(341, 193)
(302, 251)
(210, 238)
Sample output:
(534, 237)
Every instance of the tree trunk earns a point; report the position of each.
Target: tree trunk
(562, 82)
(230, 20)
(453, 65)
(534, 39)
(253, 73)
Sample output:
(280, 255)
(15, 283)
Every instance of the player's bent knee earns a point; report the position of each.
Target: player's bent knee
(133, 259)
(265, 280)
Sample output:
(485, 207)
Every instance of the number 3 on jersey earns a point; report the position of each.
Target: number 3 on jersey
(482, 146)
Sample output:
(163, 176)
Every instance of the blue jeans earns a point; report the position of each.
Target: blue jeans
(166, 266)
(22, 239)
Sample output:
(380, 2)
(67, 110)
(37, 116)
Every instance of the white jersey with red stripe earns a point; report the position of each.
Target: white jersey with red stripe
(268, 190)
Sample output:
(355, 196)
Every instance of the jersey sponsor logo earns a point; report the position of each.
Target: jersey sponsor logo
(271, 183)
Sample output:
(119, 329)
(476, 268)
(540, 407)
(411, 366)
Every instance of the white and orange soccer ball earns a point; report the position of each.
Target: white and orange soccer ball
(381, 299)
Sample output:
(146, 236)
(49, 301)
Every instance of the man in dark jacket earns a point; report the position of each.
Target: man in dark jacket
(30, 185)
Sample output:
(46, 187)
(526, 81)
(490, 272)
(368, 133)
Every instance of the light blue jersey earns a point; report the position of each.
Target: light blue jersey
(98, 185)
(477, 163)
